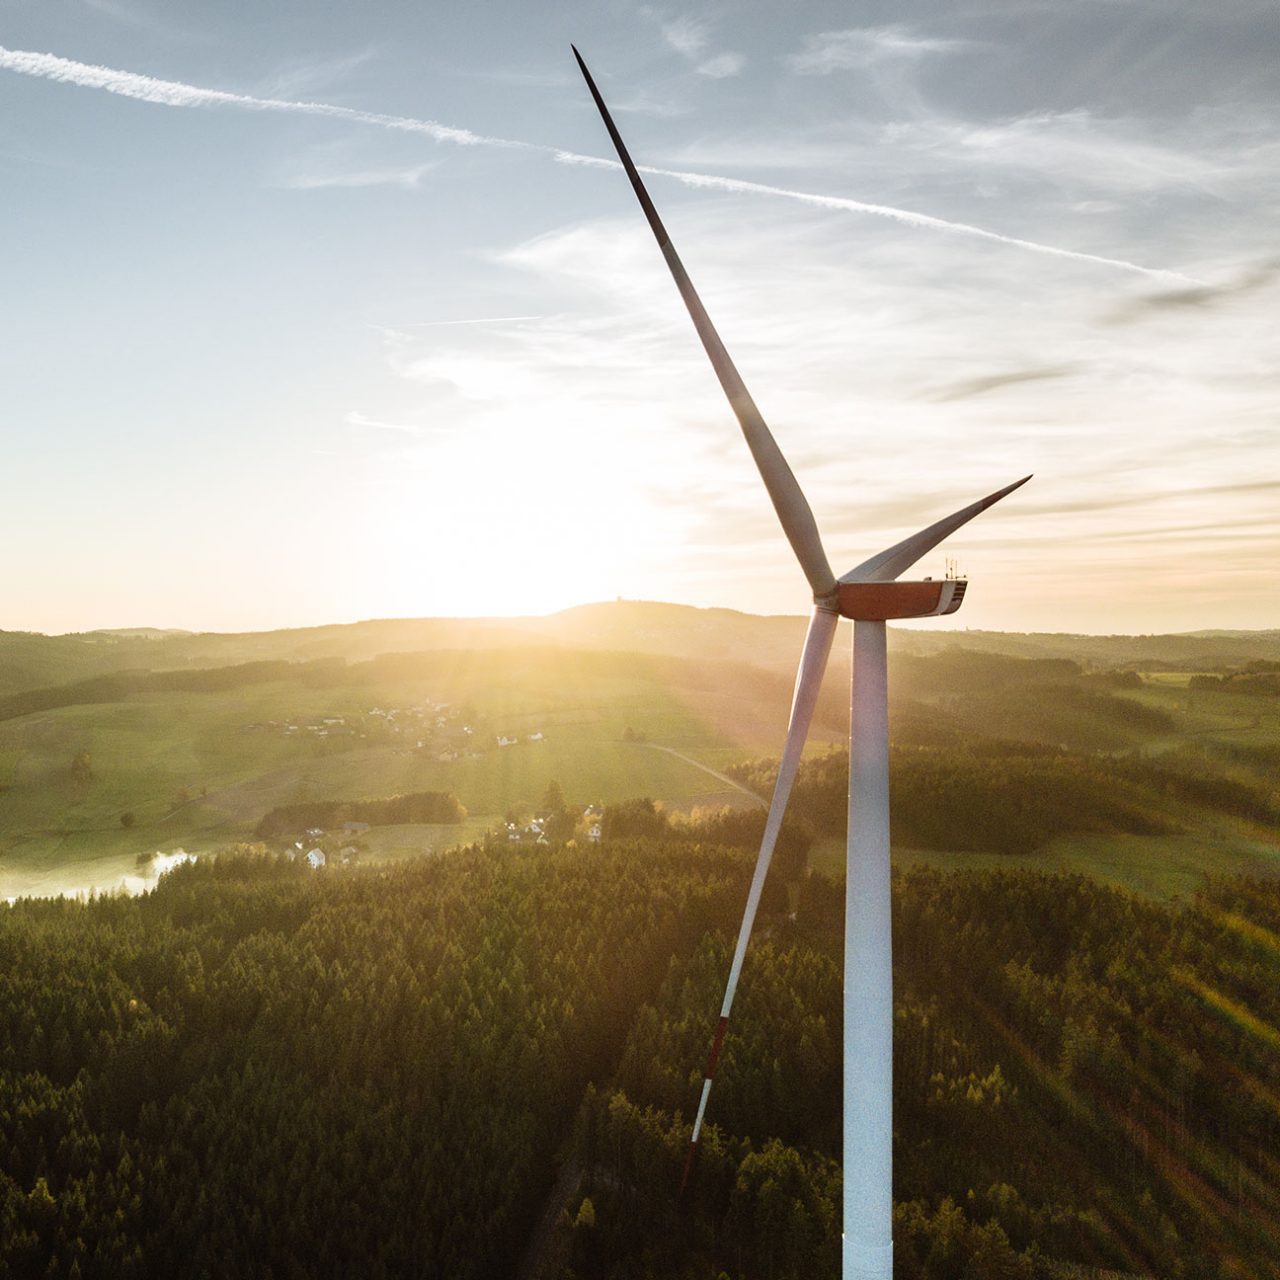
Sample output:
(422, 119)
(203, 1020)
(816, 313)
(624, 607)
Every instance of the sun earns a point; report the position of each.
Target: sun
(501, 520)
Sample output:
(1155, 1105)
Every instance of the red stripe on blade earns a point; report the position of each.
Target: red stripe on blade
(688, 1167)
(716, 1045)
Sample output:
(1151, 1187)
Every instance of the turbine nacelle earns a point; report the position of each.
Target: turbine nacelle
(885, 601)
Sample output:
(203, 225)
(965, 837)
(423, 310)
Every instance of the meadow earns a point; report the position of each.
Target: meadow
(115, 746)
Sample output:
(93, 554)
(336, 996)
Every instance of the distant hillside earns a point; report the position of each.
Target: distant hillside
(1189, 651)
(144, 633)
(186, 741)
(32, 661)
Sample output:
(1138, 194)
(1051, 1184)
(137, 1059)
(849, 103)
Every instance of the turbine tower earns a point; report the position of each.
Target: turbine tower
(870, 594)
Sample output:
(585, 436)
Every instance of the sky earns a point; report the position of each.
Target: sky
(315, 312)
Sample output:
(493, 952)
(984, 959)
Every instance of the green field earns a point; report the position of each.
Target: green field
(164, 768)
(1160, 866)
(198, 770)
(1154, 866)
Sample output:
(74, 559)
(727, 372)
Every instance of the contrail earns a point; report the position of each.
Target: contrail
(174, 93)
(911, 219)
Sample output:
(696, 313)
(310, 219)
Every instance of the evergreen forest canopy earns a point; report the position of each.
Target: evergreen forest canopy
(435, 807)
(261, 1071)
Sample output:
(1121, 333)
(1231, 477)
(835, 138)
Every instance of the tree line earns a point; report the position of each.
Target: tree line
(417, 806)
(991, 795)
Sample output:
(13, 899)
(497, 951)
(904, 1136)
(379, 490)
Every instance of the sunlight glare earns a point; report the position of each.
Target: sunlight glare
(546, 519)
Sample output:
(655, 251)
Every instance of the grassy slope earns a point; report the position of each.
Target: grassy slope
(149, 747)
(1159, 866)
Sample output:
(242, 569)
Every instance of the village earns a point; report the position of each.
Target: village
(554, 822)
(437, 729)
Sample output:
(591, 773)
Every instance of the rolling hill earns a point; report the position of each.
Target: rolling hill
(113, 745)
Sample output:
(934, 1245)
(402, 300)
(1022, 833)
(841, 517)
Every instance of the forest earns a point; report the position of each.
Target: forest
(1013, 797)
(418, 806)
(257, 1070)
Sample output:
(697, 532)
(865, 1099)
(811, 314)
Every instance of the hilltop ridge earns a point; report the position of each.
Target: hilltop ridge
(30, 660)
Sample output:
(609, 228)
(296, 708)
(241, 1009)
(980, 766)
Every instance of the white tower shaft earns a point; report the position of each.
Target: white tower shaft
(868, 972)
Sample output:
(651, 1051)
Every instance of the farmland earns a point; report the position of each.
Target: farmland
(184, 742)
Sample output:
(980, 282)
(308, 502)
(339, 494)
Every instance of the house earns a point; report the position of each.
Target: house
(316, 859)
(507, 742)
(536, 737)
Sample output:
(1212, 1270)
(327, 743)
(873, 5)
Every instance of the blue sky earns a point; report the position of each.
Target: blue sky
(318, 312)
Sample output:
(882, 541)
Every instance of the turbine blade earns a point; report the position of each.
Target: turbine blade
(888, 564)
(788, 499)
(813, 662)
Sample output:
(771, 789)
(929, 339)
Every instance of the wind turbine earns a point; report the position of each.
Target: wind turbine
(869, 594)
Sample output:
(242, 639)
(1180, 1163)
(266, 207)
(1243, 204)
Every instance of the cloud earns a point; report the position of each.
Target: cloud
(135, 16)
(995, 381)
(172, 93)
(645, 102)
(1080, 148)
(408, 178)
(686, 35)
(354, 419)
(300, 76)
(120, 12)
(690, 37)
(1130, 498)
(836, 347)
(860, 48)
(434, 324)
(1195, 298)
(722, 66)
